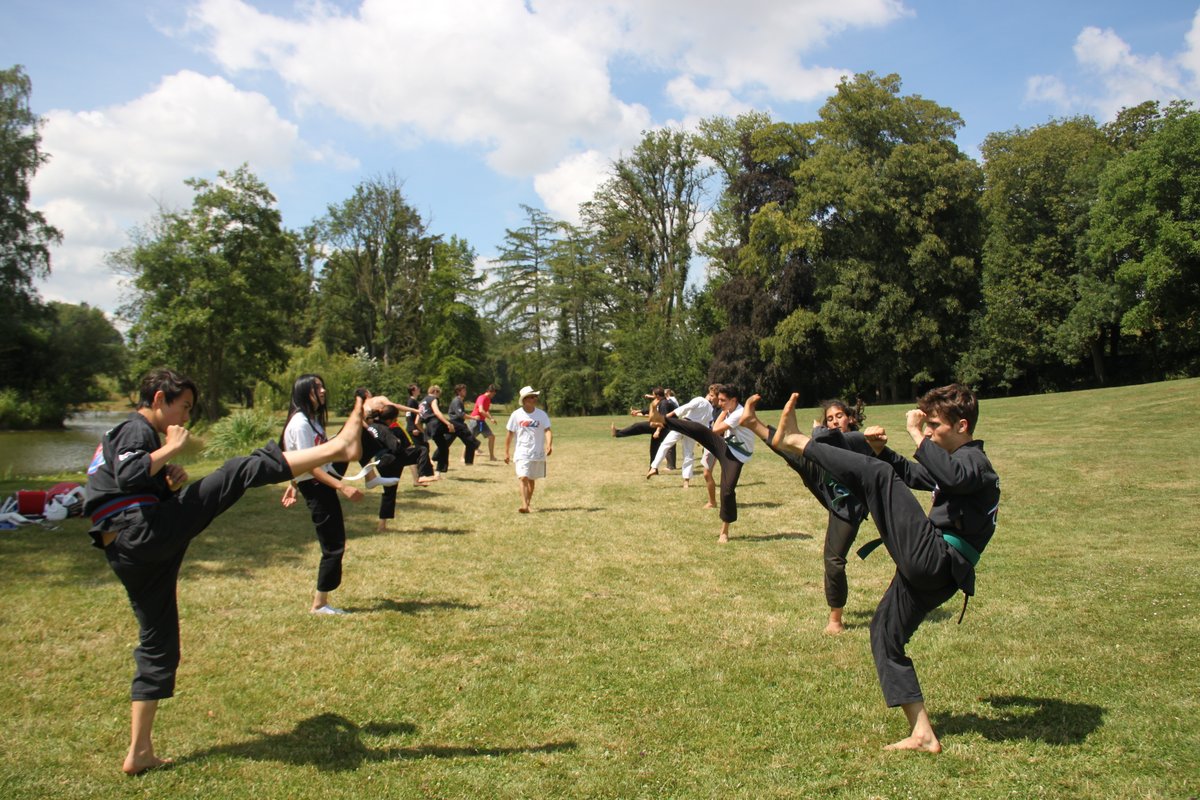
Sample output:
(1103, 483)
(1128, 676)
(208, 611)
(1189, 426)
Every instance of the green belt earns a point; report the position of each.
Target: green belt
(962, 546)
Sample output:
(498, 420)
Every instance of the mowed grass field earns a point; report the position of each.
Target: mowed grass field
(606, 646)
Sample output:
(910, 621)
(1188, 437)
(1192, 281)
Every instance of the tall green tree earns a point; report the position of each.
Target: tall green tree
(25, 235)
(372, 290)
(451, 326)
(520, 294)
(644, 216)
(1041, 184)
(889, 206)
(215, 288)
(1143, 251)
(583, 294)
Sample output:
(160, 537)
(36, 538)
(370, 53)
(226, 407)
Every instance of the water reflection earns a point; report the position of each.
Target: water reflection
(52, 452)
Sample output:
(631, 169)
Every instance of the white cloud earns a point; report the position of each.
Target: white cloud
(1115, 77)
(530, 82)
(1049, 89)
(110, 169)
(571, 183)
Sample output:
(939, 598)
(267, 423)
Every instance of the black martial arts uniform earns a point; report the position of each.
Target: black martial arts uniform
(153, 527)
(457, 415)
(645, 428)
(846, 512)
(935, 555)
(392, 449)
(729, 452)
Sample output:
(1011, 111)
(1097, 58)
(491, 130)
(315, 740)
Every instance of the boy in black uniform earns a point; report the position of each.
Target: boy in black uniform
(935, 555)
(144, 519)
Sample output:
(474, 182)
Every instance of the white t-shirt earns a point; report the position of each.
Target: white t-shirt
(301, 434)
(698, 409)
(739, 440)
(530, 433)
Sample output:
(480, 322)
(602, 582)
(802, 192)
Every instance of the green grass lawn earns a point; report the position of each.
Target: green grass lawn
(607, 646)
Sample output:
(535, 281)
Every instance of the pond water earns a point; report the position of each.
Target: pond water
(52, 452)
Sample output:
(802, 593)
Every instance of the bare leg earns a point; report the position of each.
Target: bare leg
(750, 419)
(922, 736)
(346, 446)
(723, 536)
(711, 484)
(381, 526)
(835, 621)
(788, 437)
(320, 600)
(491, 447)
(141, 746)
(612, 429)
(526, 494)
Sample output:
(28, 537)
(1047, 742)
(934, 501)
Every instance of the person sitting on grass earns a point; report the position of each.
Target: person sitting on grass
(144, 518)
(846, 513)
(935, 554)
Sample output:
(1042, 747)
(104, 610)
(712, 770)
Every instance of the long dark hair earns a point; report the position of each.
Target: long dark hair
(304, 394)
(857, 413)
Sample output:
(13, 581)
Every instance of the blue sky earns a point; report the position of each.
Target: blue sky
(480, 106)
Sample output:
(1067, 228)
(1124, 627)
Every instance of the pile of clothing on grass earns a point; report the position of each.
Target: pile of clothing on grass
(42, 506)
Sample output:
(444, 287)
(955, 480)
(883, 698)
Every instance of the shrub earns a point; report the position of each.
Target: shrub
(241, 432)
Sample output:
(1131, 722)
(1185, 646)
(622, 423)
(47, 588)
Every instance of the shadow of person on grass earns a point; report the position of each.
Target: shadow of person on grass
(1037, 719)
(415, 606)
(774, 537)
(332, 743)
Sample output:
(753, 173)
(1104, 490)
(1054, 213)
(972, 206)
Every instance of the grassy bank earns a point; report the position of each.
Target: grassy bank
(607, 646)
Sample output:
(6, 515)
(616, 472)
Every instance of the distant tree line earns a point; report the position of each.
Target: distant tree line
(860, 254)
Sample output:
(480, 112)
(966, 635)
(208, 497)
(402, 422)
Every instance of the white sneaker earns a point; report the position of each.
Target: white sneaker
(381, 481)
(328, 610)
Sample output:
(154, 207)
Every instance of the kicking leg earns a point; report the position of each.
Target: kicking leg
(346, 446)
(788, 437)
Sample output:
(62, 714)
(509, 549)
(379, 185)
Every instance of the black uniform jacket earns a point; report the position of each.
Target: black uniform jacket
(119, 481)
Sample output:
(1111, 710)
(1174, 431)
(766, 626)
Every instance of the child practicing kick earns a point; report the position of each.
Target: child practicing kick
(935, 555)
(729, 444)
(846, 512)
(305, 428)
(144, 518)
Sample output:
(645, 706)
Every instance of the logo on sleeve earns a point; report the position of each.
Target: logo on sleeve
(97, 460)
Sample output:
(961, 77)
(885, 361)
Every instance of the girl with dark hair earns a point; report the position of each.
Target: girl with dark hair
(846, 513)
(305, 428)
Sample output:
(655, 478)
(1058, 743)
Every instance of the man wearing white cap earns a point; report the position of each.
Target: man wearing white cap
(530, 427)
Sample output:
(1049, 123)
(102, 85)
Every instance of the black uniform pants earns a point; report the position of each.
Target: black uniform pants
(731, 467)
(923, 580)
(839, 533)
(148, 551)
(643, 429)
(326, 510)
(463, 433)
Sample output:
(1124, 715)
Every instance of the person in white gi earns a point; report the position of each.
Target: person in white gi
(698, 409)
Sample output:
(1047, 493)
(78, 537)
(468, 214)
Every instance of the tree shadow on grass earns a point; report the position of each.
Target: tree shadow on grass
(1038, 719)
(772, 537)
(332, 743)
(414, 606)
(760, 504)
(537, 510)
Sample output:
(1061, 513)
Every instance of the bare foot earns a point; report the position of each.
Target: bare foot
(136, 764)
(723, 538)
(749, 417)
(709, 504)
(834, 627)
(612, 430)
(788, 437)
(350, 436)
(522, 510)
(914, 742)
(656, 419)
(651, 473)
(687, 485)
(381, 526)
